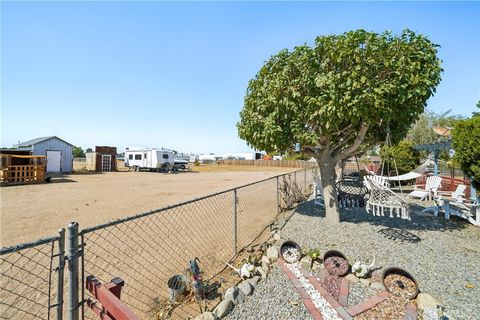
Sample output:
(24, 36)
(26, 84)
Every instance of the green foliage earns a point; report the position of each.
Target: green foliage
(465, 138)
(475, 113)
(295, 156)
(421, 131)
(325, 93)
(313, 253)
(404, 155)
(78, 152)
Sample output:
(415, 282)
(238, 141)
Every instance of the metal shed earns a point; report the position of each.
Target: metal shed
(59, 153)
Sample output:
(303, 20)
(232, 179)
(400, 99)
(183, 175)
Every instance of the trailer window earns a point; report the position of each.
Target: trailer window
(138, 157)
(165, 156)
(130, 157)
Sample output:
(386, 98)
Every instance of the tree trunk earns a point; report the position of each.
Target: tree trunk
(326, 163)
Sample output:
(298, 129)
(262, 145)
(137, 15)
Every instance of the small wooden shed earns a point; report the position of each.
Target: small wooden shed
(104, 159)
(19, 167)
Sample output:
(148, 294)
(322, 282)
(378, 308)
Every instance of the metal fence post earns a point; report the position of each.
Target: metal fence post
(278, 198)
(235, 216)
(72, 257)
(305, 178)
(61, 267)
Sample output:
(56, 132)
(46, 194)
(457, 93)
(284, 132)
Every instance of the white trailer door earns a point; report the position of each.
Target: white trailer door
(53, 161)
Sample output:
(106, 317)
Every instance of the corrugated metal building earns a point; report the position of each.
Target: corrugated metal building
(59, 153)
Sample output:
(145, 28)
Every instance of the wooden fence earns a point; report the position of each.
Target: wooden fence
(269, 163)
(449, 183)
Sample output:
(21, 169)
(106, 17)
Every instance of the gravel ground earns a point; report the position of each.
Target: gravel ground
(443, 256)
(358, 292)
(274, 298)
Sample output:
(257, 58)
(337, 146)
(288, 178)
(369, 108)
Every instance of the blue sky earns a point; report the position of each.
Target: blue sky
(175, 74)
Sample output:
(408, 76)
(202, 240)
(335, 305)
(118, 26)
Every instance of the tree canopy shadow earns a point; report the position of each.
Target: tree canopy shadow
(419, 221)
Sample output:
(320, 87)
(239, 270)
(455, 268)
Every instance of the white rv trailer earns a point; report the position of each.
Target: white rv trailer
(149, 159)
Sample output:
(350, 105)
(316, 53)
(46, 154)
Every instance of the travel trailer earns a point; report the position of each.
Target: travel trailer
(138, 159)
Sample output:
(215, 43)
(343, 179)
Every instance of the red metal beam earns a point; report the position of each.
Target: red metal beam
(108, 295)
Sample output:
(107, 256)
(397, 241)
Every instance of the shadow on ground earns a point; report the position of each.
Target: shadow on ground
(419, 221)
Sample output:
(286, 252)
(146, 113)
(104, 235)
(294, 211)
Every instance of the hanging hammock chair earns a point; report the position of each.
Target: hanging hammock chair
(383, 201)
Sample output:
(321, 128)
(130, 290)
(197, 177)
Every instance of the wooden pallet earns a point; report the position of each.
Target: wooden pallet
(22, 174)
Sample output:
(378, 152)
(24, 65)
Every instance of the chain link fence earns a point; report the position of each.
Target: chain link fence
(146, 250)
(31, 282)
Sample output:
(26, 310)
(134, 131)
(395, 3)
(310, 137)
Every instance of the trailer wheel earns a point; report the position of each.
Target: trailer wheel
(182, 167)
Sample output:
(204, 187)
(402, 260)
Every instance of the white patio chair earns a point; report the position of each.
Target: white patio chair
(469, 212)
(431, 187)
(458, 195)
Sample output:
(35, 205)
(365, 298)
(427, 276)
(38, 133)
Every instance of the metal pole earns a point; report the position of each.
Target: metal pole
(305, 178)
(278, 200)
(72, 257)
(473, 192)
(235, 229)
(61, 267)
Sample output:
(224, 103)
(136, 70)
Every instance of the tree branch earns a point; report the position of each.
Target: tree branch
(358, 141)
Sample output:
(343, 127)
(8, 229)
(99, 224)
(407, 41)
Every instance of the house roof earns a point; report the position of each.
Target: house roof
(38, 140)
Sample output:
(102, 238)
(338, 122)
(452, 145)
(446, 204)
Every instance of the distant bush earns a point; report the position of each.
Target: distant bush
(466, 137)
(402, 154)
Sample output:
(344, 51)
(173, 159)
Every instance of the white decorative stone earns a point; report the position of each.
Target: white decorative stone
(223, 308)
(276, 236)
(246, 288)
(235, 295)
(306, 262)
(254, 281)
(262, 273)
(322, 305)
(272, 253)
(352, 278)
(265, 263)
(424, 301)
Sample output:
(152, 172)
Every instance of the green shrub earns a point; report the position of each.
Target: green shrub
(466, 143)
(405, 156)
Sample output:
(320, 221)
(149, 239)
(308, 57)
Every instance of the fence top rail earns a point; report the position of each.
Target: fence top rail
(27, 245)
(176, 205)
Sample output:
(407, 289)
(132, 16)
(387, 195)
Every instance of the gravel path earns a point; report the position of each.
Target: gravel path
(274, 298)
(444, 256)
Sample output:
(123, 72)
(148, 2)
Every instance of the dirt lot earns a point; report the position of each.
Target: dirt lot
(145, 252)
(29, 212)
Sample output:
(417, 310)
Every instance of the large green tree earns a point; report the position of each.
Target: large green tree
(338, 95)
(465, 138)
